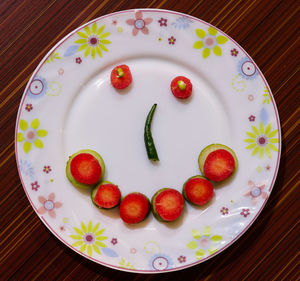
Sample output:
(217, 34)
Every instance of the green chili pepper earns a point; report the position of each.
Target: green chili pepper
(149, 143)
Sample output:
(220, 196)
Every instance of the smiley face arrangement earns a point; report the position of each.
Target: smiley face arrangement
(86, 169)
(70, 104)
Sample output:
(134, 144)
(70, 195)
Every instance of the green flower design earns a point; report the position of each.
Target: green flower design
(31, 135)
(89, 238)
(266, 96)
(125, 264)
(209, 42)
(92, 40)
(204, 243)
(52, 57)
(262, 140)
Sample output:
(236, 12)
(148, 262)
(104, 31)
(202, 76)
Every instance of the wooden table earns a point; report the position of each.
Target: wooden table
(266, 29)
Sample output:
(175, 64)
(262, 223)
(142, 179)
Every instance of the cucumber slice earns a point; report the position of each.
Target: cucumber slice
(94, 192)
(166, 211)
(134, 208)
(156, 215)
(213, 147)
(73, 181)
(203, 196)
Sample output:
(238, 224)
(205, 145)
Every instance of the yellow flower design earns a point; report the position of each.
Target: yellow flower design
(92, 40)
(89, 238)
(52, 57)
(125, 264)
(266, 96)
(209, 42)
(30, 135)
(204, 243)
(262, 140)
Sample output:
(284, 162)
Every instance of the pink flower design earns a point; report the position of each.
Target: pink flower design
(133, 250)
(78, 60)
(251, 118)
(48, 205)
(62, 228)
(181, 259)
(139, 23)
(245, 212)
(114, 22)
(114, 241)
(255, 191)
(61, 71)
(224, 211)
(234, 52)
(268, 167)
(28, 107)
(162, 22)
(47, 169)
(250, 97)
(35, 186)
(172, 40)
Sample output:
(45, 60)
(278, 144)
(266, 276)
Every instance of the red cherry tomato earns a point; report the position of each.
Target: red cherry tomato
(181, 87)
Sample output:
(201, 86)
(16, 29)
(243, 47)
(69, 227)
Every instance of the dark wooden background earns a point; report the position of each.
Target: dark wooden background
(267, 29)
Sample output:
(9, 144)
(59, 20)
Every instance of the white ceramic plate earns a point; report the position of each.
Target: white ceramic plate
(69, 105)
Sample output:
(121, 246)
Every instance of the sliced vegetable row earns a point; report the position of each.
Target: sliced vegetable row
(86, 168)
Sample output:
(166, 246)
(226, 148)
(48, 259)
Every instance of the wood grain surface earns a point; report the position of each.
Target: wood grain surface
(267, 29)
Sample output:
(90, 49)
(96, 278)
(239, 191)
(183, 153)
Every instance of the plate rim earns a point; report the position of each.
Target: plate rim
(58, 44)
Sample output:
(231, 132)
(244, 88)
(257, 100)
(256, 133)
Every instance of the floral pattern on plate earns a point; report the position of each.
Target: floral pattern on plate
(89, 238)
(209, 41)
(205, 243)
(31, 134)
(262, 140)
(93, 40)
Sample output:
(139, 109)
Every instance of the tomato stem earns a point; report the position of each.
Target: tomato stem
(120, 72)
(181, 85)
